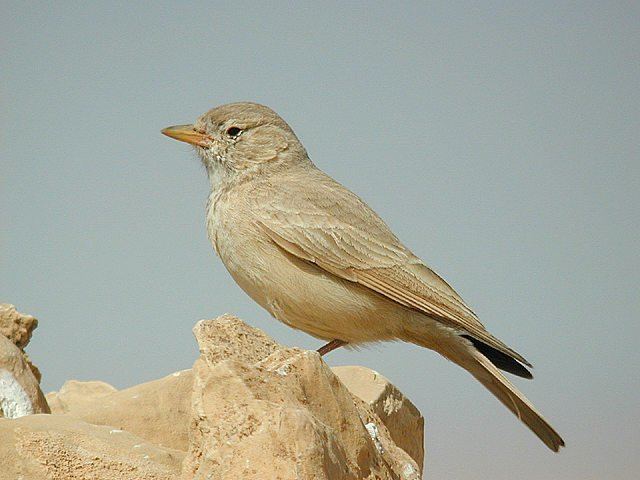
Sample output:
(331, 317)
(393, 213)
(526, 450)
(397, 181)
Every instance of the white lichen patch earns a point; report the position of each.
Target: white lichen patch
(408, 471)
(392, 404)
(373, 432)
(14, 401)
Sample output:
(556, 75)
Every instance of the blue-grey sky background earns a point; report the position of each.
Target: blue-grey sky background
(500, 141)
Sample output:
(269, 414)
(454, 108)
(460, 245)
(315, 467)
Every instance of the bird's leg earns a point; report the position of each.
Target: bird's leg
(332, 345)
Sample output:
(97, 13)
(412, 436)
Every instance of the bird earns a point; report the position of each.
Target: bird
(319, 259)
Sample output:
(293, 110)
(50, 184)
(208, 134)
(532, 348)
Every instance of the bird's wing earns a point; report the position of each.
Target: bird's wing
(331, 227)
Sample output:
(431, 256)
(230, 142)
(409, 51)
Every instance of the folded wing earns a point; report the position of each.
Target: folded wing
(332, 228)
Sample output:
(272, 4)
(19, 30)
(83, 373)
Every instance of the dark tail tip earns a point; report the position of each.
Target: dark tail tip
(499, 359)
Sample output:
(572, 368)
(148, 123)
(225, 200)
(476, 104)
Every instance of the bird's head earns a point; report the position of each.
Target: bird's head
(239, 138)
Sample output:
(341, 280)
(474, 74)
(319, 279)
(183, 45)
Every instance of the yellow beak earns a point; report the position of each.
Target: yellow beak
(186, 133)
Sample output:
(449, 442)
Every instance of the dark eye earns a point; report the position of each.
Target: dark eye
(233, 131)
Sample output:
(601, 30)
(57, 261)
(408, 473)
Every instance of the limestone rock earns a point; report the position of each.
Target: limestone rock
(16, 326)
(400, 416)
(35, 370)
(229, 337)
(75, 395)
(59, 447)
(261, 410)
(157, 411)
(20, 392)
(250, 408)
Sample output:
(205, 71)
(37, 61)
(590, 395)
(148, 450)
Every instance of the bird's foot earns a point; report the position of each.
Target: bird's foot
(332, 345)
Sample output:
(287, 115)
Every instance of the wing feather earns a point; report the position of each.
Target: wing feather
(331, 227)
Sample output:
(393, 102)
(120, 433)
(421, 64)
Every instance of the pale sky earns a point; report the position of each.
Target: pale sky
(500, 141)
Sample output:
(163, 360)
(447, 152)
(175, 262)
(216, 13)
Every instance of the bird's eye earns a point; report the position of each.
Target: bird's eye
(233, 131)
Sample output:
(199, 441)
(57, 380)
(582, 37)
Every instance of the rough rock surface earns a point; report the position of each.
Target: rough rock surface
(250, 408)
(75, 395)
(261, 410)
(20, 392)
(59, 447)
(401, 417)
(16, 326)
(157, 411)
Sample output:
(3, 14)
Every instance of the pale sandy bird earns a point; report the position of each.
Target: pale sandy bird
(317, 258)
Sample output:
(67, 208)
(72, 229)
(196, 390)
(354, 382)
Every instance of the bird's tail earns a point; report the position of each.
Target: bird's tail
(463, 352)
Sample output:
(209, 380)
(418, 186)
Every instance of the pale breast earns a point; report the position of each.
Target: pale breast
(237, 242)
(294, 291)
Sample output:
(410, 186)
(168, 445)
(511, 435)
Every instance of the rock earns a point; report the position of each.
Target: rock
(35, 370)
(159, 411)
(75, 395)
(16, 326)
(260, 410)
(156, 411)
(229, 337)
(250, 408)
(59, 447)
(20, 392)
(400, 416)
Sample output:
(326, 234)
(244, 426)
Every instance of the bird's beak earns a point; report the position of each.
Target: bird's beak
(187, 133)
